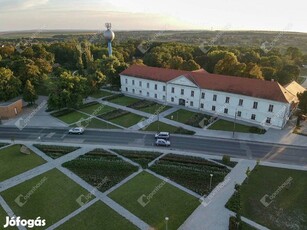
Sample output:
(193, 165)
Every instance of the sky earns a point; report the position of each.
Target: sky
(276, 15)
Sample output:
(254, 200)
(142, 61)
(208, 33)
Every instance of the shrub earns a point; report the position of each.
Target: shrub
(226, 159)
(254, 129)
(234, 224)
(234, 203)
(62, 112)
(113, 114)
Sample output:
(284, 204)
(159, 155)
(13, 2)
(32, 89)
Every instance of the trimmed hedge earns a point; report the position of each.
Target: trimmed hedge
(54, 151)
(113, 114)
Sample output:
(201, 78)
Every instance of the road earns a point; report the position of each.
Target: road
(250, 150)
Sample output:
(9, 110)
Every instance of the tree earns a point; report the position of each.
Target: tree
(252, 70)
(229, 65)
(213, 58)
(29, 93)
(288, 74)
(303, 102)
(176, 62)
(269, 73)
(190, 65)
(9, 85)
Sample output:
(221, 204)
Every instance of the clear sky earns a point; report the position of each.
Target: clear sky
(154, 14)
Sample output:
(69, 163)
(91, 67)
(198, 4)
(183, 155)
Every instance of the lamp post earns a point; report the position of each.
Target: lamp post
(166, 221)
(234, 125)
(211, 175)
(158, 122)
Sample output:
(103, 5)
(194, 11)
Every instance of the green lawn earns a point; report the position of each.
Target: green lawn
(52, 197)
(127, 120)
(228, 126)
(97, 109)
(101, 217)
(124, 100)
(13, 162)
(100, 94)
(181, 115)
(288, 210)
(72, 117)
(96, 124)
(160, 126)
(155, 109)
(3, 216)
(166, 201)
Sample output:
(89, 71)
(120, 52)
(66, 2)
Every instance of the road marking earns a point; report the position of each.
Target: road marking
(50, 135)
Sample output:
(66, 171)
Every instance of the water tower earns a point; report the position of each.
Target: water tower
(109, 36)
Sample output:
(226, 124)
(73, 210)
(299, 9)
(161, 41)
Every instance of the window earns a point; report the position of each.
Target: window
(173, 90)
(164, 88)
(255, 105)
(227, 100)
(172, 99)
(192, 93)
(140, 84)
(126, 81)
(156, 96)
(213, 108)
(133, 91)
(202, 95)
(240, 102)
(140, 91)
(214, 97)
(202, 105)
(226, 110)
(239, 113)
(191, 103)
(182, 91)
(132, 82)
(271, 107)
(147, 94)
(268, 120)
(253, 117)
(163, 97)
(126, 89)
(156, 86)
(148, 85)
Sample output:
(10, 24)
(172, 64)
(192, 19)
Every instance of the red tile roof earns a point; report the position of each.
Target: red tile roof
(269, 90)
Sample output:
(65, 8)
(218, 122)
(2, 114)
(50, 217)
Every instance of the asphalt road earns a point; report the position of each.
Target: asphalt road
(250, 150)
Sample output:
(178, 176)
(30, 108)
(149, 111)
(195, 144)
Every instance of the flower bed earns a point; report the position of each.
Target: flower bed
(55, 151)
(191, 172)
(100, 169)
(113, 114)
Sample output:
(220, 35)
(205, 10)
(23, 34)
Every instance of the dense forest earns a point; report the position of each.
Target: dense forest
(73, 68)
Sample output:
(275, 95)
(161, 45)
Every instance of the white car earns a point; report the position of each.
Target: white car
(76, 130)
(162, 142)
(162, 135)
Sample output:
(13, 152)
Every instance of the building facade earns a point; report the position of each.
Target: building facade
(261, 103)
(10, 109)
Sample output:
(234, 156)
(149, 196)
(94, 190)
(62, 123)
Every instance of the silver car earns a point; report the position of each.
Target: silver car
(162, 135)
(162, 142)
(76, 130)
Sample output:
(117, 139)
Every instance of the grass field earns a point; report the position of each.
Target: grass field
(124, 100)
(100, 94)
(181, 115)
(96, 124)
(228, 126)
(13, 162)
(127, 120)
(166, 201)
(155, 109)
(288, 210)
(101, 216)
(97, 109)
(160, 126)
(54, 197)
(72, 117)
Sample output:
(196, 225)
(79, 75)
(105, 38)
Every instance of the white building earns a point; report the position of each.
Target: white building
(262, 103)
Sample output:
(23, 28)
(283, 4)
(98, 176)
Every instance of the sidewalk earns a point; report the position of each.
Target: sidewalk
(212, 214)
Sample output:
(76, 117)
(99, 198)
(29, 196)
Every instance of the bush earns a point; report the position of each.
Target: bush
(226, 159)
(181, 130)
(141, 104)
(254, 129)
(62, 112)
(234, 224)
(113, 114)
(234, 203)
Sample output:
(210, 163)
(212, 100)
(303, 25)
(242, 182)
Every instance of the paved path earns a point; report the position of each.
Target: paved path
(212, 214)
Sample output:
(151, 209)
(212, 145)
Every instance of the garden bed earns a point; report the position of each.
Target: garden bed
(101, 169)
(140, 157)
(191, 172)
(54, 151)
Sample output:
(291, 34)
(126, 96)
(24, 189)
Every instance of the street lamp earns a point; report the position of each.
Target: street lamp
(211, 175)
(234, 125)
(166, 220)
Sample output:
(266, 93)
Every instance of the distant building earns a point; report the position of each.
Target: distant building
(262, 103)
(10, 108)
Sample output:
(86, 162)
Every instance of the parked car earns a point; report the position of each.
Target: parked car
(162, 142)
(162, 135)
(76, 130)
